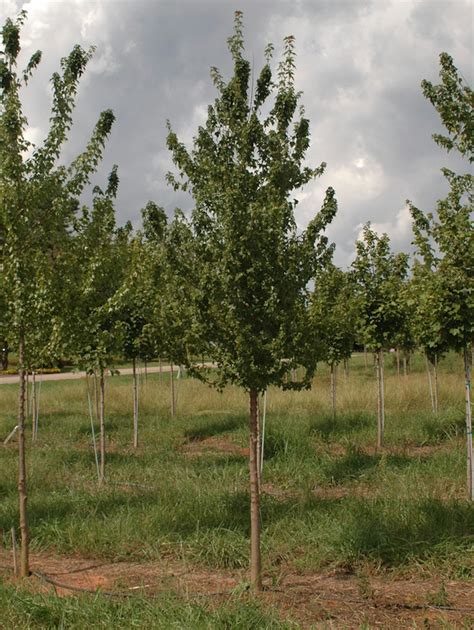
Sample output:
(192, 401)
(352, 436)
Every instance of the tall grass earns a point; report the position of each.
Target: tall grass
(329, 498)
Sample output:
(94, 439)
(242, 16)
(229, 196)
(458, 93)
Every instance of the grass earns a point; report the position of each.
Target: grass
(330, 500)
(24, 610)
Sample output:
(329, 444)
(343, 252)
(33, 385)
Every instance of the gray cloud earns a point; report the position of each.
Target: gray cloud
(360, 64)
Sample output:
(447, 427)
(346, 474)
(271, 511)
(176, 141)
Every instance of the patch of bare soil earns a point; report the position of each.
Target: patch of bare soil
(331, 599)
(214, 444)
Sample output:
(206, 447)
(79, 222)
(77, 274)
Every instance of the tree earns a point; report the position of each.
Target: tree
(447, 238)
(333, 315)
(133, 302)
(251, 267)
(38, 200)
(100, 257)
(379, 276)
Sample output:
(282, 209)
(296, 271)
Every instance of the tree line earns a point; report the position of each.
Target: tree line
(235, 281)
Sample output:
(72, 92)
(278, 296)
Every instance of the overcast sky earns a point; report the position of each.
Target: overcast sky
(359, 64)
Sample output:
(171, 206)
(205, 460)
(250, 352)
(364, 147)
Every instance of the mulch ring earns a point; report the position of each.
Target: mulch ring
(330, 599)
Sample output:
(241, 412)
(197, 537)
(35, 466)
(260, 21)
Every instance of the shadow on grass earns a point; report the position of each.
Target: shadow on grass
(398, 533)
(356, 464)
(440, 429)
(215, 427)
(327, 426)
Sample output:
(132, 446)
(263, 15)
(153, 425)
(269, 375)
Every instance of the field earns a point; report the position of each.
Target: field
(351, 537)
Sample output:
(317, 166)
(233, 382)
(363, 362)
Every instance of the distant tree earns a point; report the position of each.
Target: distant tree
(38, 201)
(379, 276)
(133, 303)
(252, 268)
(100, 257)
(333, 314)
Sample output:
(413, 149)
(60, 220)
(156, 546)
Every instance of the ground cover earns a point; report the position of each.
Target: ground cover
(390, 530)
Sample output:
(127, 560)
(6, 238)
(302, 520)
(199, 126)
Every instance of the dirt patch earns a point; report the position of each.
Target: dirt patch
(214, 444)
(331, 599)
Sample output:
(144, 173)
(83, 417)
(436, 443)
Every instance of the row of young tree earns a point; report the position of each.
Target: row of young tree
(236, 281)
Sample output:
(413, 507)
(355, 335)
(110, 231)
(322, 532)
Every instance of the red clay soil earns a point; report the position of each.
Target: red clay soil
(332, 599)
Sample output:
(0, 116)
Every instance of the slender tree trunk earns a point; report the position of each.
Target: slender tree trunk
(135, 404)
(173, 400)
(333, 390)
(365, 357)
(259, 448)
(255, 557)
(470, 463)
(380, 398)
(435, 383)
(405, 372)
(398, 361)
(4, 353)
(25, 538)
(102, 425)
(96, 397)
(146, 370)
(430, 384)
(33, 406)
(161, 370)
(346, 369)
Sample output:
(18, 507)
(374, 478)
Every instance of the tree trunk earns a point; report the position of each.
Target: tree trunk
(25, 539)
(365, 357)
(470, 464)
(333, 390)
(173, 400)
(346, 369)
(259, 449)
(435, 383)
(135, 404)
(5, 351)
(405, 371)
(255, 557)
(398, 360)
(102, 426)
(161, 370)
(430, 384)
(380, 399)
(33, 406)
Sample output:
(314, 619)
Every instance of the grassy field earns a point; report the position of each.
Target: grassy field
(331, 504)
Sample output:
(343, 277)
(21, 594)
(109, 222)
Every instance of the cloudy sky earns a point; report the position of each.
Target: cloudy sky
(359, 64)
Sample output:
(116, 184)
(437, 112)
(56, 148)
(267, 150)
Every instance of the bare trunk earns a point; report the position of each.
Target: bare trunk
(346, 369)
(405, 371)
(146, 371)
(25, 538)
(470, 464)
(102, 426)
(365, 357)
(255, 557)
(430, 384)
(333, 390)
(398, 361)
(173, 400)
(161, 370)
(259, 449)
(380, 399)
(435, 384)
(33, 406)
(96, 397)
(135, 404)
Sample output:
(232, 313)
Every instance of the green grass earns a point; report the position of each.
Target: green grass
(330, 500)
(24, 610)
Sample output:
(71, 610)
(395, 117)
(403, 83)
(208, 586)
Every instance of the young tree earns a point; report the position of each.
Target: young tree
(379, 276)
(37, 204)
(448, 237)
(252, 268)
(333, 315)
(99, 256)
(133, 303)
